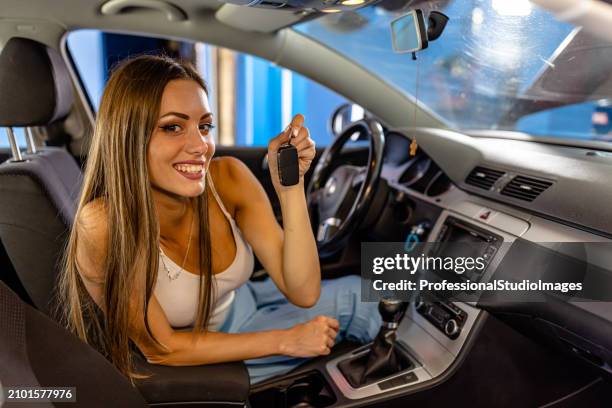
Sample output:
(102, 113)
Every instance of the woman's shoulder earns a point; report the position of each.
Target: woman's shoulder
(228, 175)
(92, 221)
(227, 168)
(94, 211)
(92, 239)
(231, 178)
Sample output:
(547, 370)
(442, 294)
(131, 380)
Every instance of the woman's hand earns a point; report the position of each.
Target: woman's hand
(312, 338)
(300, 138)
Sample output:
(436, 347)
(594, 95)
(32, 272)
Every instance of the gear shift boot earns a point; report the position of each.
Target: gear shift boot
(384, 357)
(374, 365)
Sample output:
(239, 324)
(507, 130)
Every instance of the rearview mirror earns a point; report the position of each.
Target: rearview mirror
(408, 32)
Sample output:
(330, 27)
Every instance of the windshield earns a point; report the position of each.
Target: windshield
(499, 64)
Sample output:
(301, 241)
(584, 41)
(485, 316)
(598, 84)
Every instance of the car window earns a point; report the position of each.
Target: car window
(253, 99)
(19, 136)
(496, 64)
(587, 120)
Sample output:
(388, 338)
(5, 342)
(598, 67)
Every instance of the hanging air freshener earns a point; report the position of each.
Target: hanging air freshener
(409, 35)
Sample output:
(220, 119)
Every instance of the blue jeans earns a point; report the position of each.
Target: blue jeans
(260, 306)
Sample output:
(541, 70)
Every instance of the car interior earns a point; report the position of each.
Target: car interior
(398, 169)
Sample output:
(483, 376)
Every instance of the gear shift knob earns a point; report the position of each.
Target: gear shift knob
(384, 357)
(391, 311)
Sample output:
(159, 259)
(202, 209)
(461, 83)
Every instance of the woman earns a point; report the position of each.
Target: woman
(162, 248)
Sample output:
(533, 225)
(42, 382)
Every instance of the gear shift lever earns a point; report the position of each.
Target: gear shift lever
(391, 312)
(384, 357)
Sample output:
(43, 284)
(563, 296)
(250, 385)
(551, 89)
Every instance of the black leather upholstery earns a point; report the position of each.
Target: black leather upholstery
(383, 359)
(35, 351)
(221, 385)
(35, 84)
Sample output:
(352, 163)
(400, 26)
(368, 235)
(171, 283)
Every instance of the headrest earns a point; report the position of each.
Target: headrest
(35, 87)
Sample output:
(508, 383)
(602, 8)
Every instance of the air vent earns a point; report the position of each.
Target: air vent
(525, 188)
(483, 177)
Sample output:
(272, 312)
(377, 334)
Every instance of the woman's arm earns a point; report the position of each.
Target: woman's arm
(301, 269)
(312, 338)
(188, 348)
(288, 254)
(308, 339)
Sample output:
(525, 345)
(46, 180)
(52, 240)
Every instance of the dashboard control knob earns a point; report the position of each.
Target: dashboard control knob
(451, 328)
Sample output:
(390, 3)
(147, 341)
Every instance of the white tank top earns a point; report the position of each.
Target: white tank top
(179, 298)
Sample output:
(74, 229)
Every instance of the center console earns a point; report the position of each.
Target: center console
(457, 235)
(418, 342)
(433, 330)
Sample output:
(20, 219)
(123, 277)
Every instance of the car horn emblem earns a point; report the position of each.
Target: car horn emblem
(330, 186)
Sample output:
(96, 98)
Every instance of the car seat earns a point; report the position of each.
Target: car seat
(36, 352)
(38, 195)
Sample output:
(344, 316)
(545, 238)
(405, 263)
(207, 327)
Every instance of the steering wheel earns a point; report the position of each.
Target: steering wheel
(339, 197)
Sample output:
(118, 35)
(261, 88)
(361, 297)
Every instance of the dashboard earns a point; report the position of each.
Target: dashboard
(529, 194)
(419, 173)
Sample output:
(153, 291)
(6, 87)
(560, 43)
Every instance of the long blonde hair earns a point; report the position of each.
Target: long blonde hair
(117, 173)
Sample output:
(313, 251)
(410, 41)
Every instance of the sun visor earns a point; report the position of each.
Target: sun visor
(256, 19)
(272, 15)
(284, 4)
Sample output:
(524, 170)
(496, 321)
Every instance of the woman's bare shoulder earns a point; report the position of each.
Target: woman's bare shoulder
(225, 167)
(227, 174)
(92, 238)
(229, 171)
(92, 219)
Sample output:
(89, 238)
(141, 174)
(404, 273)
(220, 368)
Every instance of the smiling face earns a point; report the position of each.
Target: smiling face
(181, 145)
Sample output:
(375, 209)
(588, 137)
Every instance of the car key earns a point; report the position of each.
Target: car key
(288, 166)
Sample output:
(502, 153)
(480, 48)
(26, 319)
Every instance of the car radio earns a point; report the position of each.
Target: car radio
(461, 239)
(456, 239)
(445, 316)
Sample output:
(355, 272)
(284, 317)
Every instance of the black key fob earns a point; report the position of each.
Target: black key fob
(288, 166)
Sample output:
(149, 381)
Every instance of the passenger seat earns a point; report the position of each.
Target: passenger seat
(38, 193)
(37, 207)
(36, 352)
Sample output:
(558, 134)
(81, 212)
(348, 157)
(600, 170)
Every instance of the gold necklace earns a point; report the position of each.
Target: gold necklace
(176, 275)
